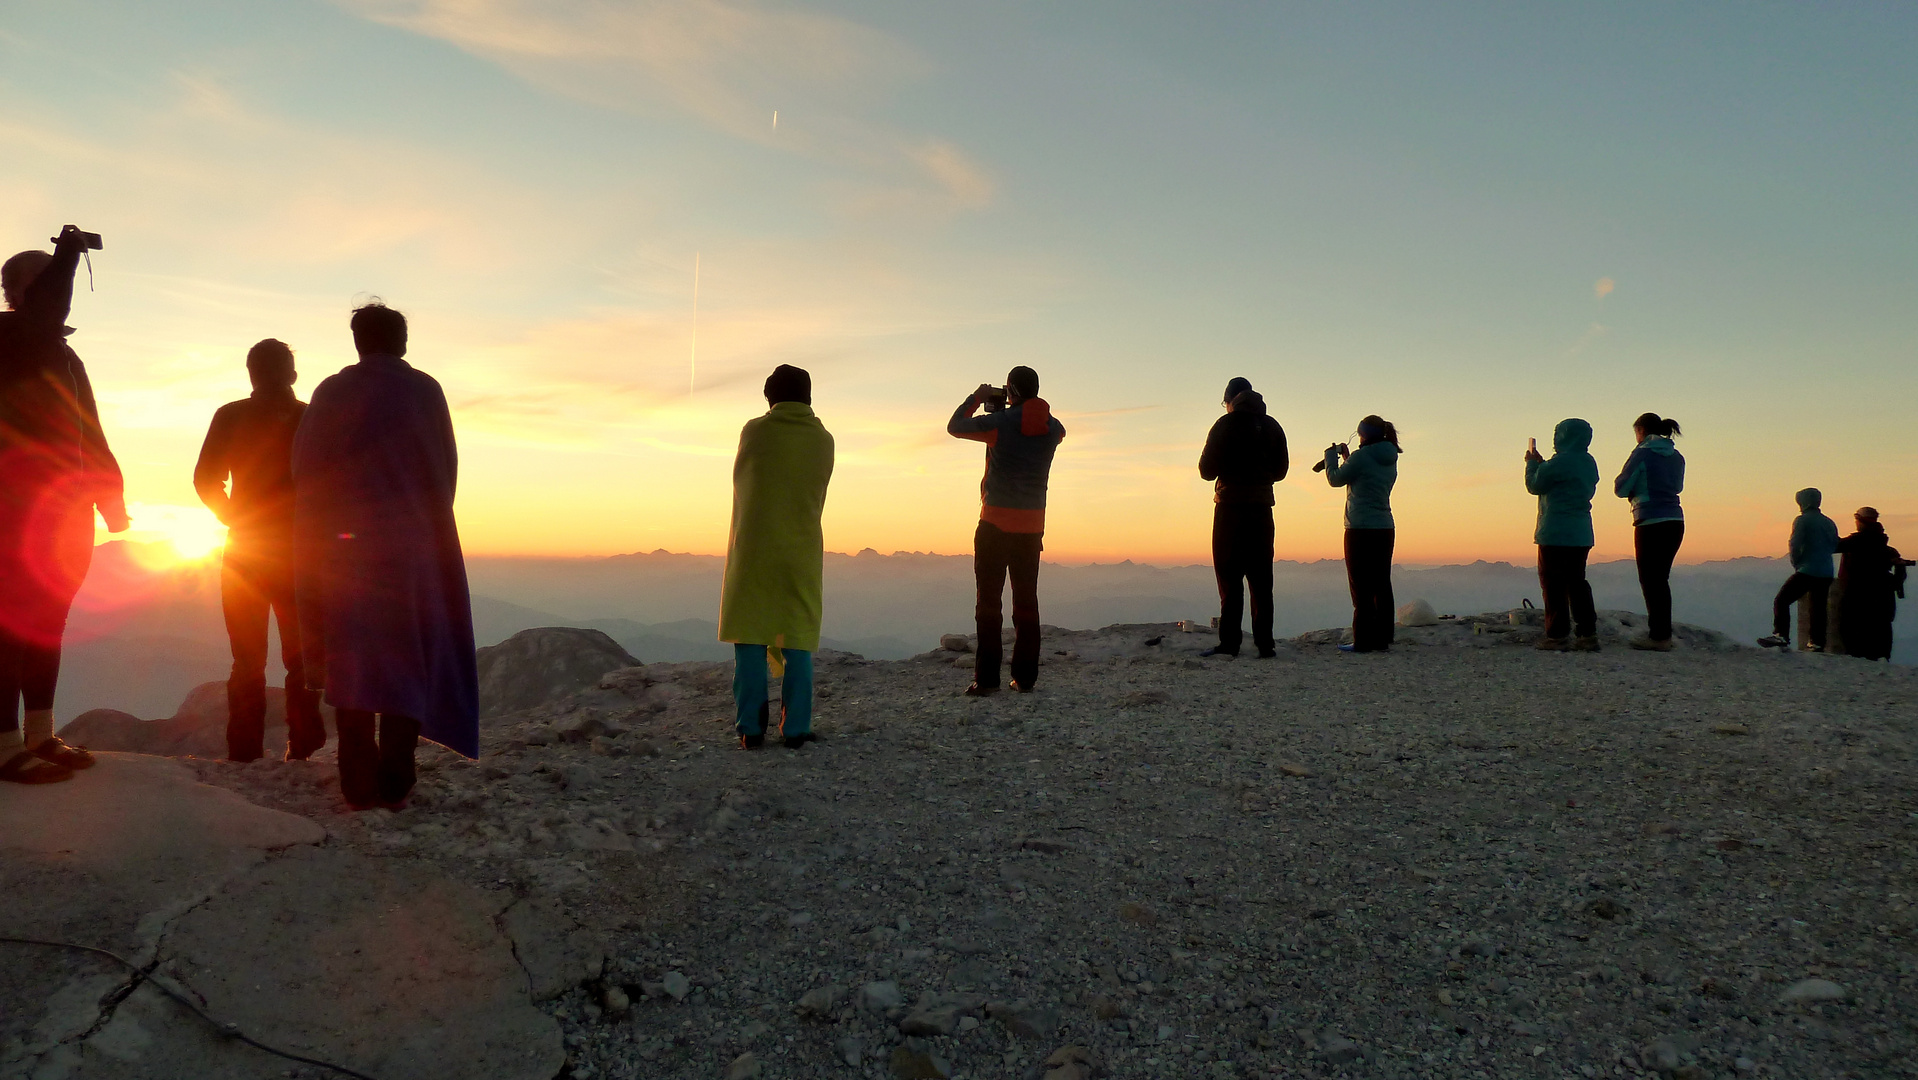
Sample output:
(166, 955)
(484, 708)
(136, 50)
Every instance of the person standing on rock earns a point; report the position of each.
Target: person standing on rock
(1367, 475)
(1871, 579)
(773, 596)
(251, 440)
(1652, 479)
(1244, 456)
(1021, 436)
(1814, 540)
(55, 470)
(386, 622)
(1565, 485)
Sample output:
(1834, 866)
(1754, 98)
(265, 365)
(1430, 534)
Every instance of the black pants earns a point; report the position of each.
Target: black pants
(1568, 596)
(376, 770)
(28, 675)
(254, 585)
(1368, 570)
(1815, 591)
(996, 556)
(1657, 546)
(1242, 560)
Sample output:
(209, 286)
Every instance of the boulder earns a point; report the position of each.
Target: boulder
(544, 664)
(1418, 613)
(196, 729)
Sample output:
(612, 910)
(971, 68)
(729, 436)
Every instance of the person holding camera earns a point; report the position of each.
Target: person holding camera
(1871, 581)
(1565, 485)
(774, 593)
(1652, 479)
(55, 470)
(1244, 456)
(1021, 435)
(1367, 475)
(386, 621)
(251, 440)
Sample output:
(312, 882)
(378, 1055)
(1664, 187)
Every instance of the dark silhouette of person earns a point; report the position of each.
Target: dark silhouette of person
(1565, 485)
(1871, 577)
(251, 441)
(55, 469)
(1020, 441)
(1368, 475)
(1244, 456)
(1814, 540)
(1653, 476)
(386, 621)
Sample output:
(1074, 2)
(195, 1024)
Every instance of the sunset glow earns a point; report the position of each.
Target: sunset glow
(167, 536)
(1472, 224)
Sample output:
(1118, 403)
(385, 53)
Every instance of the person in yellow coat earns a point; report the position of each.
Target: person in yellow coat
(770, 604)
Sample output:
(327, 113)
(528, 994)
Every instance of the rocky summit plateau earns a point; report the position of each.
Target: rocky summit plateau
(1461, 858)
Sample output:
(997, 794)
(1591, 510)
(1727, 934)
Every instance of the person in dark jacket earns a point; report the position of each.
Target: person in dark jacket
(1565, 484)
(55, 470)
(1368, 475)
(1652, 479)
(1020, 440)
(1814, 540)
(1871, 575)
(1244, 456)
(251, 440)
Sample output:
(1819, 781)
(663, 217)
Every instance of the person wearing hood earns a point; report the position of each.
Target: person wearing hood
(1565, 484)
(1367, 474)
(773, 597)
(1814, 540)
(1871, 580)
(1652, 478)
(1020, 436)
(1244, 456)
(55, 470)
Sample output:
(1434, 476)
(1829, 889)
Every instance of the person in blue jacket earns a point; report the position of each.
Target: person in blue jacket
(1565, 485)
(1367, 475)
(1814, 541)
(1652, 479)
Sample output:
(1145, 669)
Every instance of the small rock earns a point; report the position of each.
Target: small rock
(1745, 1065)
(1146, 697)
(799, 918)
(543, 735)
(1137, 914)
(941, 1020)
(1107, 1009)
(1666, 1053)
(1338, 1050)
(615, 1001)
(911, 1063)
(1660, 828)
(1024, 1020)
(606, 747)
(1070, 1063)
(818, 1002)
(644, 748)
(851, 1051)
(756, 1029)
(676, 985)
(744, 1067)
(1049, 847)
(1479, 948)
(955, 643)
(1812, 990)
(968, 1023)
(879, 997)
(1293, 768)
(1731, 729)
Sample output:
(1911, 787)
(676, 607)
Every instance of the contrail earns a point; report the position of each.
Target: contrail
(692, 361)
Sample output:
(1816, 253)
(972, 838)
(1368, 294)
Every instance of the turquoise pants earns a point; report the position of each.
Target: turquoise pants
(749, 690)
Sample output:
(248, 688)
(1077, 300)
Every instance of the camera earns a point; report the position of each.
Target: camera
(995, 399)
(1344, 451)
(90, 239)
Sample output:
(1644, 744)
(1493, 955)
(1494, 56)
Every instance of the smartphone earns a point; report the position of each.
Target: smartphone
(1534, 443)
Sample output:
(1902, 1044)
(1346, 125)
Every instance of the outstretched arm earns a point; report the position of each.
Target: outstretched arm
(964, 425)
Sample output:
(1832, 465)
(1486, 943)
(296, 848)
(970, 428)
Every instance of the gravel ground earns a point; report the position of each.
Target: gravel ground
(1437, 862)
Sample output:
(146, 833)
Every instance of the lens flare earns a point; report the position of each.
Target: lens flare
(165, 534)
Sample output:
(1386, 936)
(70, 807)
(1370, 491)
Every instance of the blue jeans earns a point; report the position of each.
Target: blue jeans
(749, 690)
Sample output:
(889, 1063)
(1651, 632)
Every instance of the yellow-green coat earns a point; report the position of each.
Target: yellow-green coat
(776, 553)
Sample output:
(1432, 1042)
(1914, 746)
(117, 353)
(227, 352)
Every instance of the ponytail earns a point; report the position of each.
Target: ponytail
(1385, 428)
(1654, 424)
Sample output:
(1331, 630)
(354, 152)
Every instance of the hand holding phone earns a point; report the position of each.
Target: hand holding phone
(1531, 451)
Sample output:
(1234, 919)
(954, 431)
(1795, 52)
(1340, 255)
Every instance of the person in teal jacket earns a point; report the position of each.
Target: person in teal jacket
(1652, 479)
(1814, 541)
(1367, 475)
(1565, 485)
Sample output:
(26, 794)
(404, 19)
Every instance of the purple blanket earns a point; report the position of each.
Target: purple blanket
(386, 620)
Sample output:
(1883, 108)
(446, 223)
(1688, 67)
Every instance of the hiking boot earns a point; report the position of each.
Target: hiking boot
(1218, 651)
(1647, 643)
(794, 742)
(752, 742)
(1774, 641)
(975, 690)
(1585, 643)
(1267, 654)
(1553, 644)
(1020, 687)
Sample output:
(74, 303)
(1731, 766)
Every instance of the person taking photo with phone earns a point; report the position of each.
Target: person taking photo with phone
(1565, 484)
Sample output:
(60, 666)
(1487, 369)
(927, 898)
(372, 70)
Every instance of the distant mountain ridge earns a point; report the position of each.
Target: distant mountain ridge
(140, 639)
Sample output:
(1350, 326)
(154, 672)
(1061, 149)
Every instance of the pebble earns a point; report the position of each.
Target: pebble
(880, 996)
(1293, 768)
(676, 985)
(818, 1001)
(744, 1067)
(851, 1051)
(1812, 990)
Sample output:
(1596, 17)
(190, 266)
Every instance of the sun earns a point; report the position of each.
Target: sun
(169, 534)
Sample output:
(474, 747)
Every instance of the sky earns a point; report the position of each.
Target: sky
(1473, 220)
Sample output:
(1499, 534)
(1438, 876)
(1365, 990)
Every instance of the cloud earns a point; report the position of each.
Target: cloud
(1592, 335)
(729, 65)
(1603, 287)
